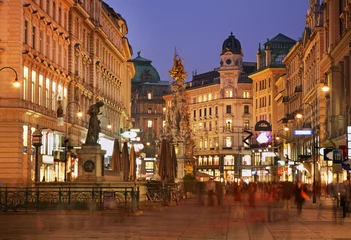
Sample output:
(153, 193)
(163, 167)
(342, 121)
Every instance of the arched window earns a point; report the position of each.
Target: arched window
(149, 95)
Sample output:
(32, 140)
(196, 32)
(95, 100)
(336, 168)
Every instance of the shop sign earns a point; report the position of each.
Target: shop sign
(263, 126)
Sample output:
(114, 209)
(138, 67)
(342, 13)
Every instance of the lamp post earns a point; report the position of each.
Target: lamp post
(16, 82)
(36, 142)
(66, 141)
(313, 126)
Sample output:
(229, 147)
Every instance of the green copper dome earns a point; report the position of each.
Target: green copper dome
(144, 71)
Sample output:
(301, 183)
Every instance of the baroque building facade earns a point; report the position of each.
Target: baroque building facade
(67, 55)
(148, 111)
(220, 109)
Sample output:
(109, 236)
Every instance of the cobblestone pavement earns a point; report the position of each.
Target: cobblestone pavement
(188, 221)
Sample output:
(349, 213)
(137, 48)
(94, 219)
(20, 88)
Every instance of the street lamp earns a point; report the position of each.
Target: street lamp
(109, 126)
(299, 116)
(36, 142)
(16, 82)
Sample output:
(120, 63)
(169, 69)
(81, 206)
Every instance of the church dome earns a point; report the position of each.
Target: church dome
(144, 71)
(231, 44)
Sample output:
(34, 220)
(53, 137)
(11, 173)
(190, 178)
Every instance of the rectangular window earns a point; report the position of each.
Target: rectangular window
(228, 125)
(149, 110)
(40, 89)
(54, 11)
(34, 76)
(25, 135)
(60, 55)
(60, 16)
(33, 37)
(25, 39)
(210, 111)
(25, 81)
(54, 50)
(53, 92)
(246, 125)
(246, 109)
(149, 95)
(41, 42)
(228, 109)
(194, 113)
(216, 110)
(205, 112)
(228, 141)
(200, 112)
(149, 123)
(47, 89)
(47, 46)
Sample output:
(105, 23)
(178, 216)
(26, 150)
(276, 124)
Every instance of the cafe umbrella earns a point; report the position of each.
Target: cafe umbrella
(125, 161)
(164, 169)
(132, 164)
(116, 156)
(174, 163)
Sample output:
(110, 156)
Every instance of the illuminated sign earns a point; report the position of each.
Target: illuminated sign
(303, 132)
(48, 159)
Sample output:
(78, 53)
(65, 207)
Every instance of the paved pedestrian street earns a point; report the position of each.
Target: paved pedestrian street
(188, 221)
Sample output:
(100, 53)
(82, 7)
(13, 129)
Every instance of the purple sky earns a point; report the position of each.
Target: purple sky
(197, 28)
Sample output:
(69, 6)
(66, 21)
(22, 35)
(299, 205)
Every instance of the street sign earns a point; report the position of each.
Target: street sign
(303, 132)
(328, 154)
(346, 164)
(337, 156)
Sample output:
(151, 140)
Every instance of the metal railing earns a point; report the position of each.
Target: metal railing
(69, 198)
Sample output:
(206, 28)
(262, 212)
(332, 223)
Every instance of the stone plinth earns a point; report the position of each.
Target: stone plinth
(90, 163)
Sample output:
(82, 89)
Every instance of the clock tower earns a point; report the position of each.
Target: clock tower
(231, 65)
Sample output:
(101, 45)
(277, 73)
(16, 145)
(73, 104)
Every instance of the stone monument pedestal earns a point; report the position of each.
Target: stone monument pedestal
(91, 163)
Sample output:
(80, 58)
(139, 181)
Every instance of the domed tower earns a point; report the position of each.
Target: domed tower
(231, 67)
(231, 56)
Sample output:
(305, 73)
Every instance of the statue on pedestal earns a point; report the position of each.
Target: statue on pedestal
(94, 124)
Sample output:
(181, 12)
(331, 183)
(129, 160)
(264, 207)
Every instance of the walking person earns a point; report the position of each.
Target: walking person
(300, 196)
(345, 198)
(286, 195)
(211, 190)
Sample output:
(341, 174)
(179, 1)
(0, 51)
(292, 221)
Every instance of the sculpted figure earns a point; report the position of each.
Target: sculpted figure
(94, 123)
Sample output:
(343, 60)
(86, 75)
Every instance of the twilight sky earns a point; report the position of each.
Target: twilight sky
(197, 28)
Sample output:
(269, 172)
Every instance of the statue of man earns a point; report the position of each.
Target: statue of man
(94, 124)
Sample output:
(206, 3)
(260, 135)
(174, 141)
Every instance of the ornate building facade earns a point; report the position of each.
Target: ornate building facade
(267, 93)
(220, 108)
(148, 110)
(68, 55)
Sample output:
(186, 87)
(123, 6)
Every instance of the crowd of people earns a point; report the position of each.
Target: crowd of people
(276, 196)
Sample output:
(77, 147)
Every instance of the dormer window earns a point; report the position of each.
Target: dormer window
(149, 95)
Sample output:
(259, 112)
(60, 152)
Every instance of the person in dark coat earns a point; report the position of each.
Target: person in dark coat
(286, 195)
(345, 198)
(299, 200)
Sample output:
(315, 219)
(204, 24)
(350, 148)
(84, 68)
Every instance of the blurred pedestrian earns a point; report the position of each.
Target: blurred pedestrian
(300, 197)
(286, 195)
(345, 198)
(211, 190)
